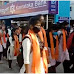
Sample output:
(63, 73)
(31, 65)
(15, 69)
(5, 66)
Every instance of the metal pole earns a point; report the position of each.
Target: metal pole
(47, 21)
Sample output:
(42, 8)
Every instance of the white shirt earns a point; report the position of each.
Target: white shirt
(9, 32)
(71, 30)
(11, 42)
(1, 48)
(59, 32)
(26, 50)
(10, 56)
(26, 44)
(20, 38)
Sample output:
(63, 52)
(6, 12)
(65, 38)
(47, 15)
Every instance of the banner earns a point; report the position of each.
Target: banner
(22, 7)
(53, 7)
(62, 19)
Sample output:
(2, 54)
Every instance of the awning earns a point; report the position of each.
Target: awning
(24, 15)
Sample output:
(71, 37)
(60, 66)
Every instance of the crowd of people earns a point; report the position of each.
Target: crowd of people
(38, 50)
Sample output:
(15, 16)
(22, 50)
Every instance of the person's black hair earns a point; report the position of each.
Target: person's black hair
(13, 30)
(54, 26)
(0, 26)
(6, 31)
(59, 25)
(50, 26)
(65, 23)
(25, 29)
(33, 21)
(12, 33)
(58, 22)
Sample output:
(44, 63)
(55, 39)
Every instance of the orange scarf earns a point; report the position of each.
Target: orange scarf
(54, 53)
(7, 35)
(57, 49)
(45, 38)
(16, 45)
(1, 41)
(36, 65)
(4, 38)
(64, 40)
(42, 35)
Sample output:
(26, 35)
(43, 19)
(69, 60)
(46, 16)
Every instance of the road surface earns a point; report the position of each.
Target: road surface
(15, 68)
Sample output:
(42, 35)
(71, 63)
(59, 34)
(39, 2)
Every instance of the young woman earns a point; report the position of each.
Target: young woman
(10, 51)
(33, 50)
(1, 48)
(63, 51)
(24, 31)
(52, 38)
(4, 40)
